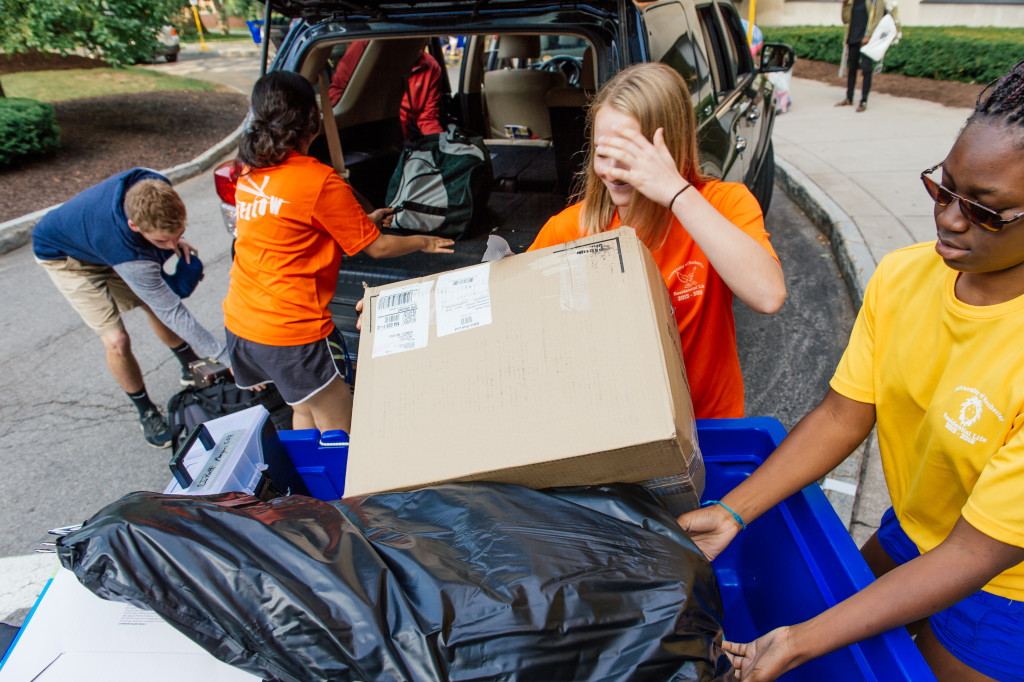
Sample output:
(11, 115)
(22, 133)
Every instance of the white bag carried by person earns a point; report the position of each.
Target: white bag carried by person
(781, 81)
(881, 38)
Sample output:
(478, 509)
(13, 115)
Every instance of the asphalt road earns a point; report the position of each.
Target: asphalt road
(788, 358)
(70, 442)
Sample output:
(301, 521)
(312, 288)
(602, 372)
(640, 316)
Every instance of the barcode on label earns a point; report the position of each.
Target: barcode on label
(466, 320)
(388, 321)
(593, 248)
(394, 300)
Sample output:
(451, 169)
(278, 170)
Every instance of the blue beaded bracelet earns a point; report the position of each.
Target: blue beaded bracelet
(736, 516)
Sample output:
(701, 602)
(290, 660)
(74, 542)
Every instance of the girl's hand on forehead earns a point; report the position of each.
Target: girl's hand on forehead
(646, 165)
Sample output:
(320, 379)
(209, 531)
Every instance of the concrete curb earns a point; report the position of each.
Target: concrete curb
(18, 231)
(856, 264)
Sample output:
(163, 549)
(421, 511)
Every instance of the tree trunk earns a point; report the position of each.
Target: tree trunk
(222, 15)
(2, 90)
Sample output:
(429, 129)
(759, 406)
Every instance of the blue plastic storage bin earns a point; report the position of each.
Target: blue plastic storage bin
(793, 562)
(789, 565)
(319, 460)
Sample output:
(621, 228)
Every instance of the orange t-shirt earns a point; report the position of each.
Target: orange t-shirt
(294, 219)
(701, 301)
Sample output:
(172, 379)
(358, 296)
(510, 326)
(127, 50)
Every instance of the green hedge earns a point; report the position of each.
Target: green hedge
(953, 53)
(27, 127)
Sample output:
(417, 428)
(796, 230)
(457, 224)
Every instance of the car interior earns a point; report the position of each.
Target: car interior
(525, 94)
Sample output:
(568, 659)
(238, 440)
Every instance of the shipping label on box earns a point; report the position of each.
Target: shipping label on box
(556, 367)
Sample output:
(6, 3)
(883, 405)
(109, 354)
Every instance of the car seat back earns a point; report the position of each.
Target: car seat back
(517, 96)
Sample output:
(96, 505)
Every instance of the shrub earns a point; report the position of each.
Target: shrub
(27, 127)
(953, 53)
(820, 43)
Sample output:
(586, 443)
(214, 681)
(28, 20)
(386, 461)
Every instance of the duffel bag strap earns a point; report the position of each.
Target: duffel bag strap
(212, 398)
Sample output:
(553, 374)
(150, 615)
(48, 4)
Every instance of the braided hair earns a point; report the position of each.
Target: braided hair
(1005, 102)
(283, 114)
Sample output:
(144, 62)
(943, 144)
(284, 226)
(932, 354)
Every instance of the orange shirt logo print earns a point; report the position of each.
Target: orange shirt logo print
(971, 409)
(261, 204)
(689, 280)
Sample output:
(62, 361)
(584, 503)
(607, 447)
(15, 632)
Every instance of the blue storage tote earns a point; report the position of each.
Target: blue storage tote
(320, 460)
(793, 562)
(788, 566)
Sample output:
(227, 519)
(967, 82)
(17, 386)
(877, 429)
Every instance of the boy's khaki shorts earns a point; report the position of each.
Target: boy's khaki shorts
(96, 292)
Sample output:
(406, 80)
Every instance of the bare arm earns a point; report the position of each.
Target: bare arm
(745, 266)
(961, 565)
(392, 246)
(822, 439)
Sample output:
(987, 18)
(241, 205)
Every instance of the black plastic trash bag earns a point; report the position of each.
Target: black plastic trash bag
(451, 582)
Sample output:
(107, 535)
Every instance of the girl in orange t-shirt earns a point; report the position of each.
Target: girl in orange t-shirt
(295, 217)
(706, 236)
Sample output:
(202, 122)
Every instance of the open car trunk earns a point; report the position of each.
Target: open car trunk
(363, 140)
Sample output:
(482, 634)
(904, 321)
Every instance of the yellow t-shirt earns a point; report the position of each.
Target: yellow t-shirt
(947, 382)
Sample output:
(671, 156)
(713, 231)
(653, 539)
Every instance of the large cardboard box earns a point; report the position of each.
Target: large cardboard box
(555, 367)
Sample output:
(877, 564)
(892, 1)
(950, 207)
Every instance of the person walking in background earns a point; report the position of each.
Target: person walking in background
(707, 236)
(936, 364)
(861, 18)
(295, 218)
(104, 249)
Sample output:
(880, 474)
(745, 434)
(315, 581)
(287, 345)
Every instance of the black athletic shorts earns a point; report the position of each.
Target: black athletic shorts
(299, 372)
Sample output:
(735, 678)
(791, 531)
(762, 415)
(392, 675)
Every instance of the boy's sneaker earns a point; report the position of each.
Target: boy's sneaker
(186, 377)
(154, 429)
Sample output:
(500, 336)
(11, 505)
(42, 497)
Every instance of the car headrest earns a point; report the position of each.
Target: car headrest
(588, 81)
(519, 47)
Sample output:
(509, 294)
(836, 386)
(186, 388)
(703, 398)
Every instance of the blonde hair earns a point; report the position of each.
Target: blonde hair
(657, 97)
(153, 206)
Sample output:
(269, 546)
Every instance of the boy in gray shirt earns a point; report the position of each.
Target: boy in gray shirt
(105, 249)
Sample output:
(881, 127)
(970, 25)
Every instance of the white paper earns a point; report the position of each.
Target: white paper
(497, 248)
(463, 299)
(402, 319)
(73, 635)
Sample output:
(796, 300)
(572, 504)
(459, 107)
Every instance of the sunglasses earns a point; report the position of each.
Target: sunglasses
(982, 216)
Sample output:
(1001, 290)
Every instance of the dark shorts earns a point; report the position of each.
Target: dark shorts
(299, 372)
(984, 631)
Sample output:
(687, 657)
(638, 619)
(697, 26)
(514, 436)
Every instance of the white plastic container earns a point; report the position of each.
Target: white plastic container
(235, 463)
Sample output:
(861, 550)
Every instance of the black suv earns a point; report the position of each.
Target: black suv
(536, 138)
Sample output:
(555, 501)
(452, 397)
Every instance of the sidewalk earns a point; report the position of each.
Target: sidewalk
(857, 175)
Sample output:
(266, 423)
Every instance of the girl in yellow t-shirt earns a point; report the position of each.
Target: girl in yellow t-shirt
(295, 217)
(936, 361)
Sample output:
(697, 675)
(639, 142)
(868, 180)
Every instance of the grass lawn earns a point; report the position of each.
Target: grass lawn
(55, 86)
(215, 36)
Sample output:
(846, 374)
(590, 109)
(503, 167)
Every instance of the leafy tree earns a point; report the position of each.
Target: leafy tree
(222, 15)
(224, 9)
(120, 31)
(247, 9)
